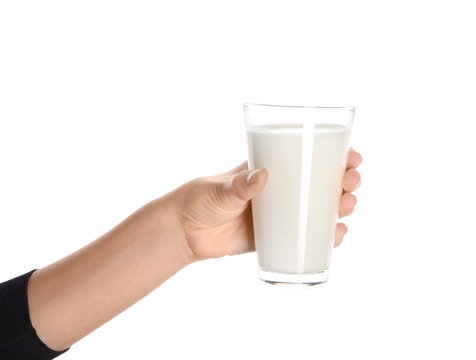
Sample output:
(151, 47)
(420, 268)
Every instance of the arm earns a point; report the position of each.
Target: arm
(77, 294)
(205, 218)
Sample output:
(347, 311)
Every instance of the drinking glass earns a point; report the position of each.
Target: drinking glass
(304, 149)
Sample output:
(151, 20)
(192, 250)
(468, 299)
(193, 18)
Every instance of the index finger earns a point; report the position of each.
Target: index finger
(354, 159)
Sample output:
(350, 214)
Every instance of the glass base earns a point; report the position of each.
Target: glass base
(275, 278)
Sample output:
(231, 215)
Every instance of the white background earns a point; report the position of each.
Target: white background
(105, 105)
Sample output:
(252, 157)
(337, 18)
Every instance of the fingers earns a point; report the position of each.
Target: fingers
(354, 159)
(341, 230)
(351, 181)
(347, 204)
(245, 185)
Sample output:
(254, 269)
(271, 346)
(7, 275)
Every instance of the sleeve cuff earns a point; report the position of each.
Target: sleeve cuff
(18, 338)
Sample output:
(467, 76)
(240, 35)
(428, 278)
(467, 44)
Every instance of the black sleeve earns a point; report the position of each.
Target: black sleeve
(18, 339)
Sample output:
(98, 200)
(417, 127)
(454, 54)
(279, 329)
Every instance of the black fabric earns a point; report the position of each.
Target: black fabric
(18, 339)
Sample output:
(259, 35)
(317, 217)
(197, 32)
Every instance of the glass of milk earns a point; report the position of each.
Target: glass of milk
(304, 149)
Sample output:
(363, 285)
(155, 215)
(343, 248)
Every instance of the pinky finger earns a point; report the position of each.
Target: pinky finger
(341, 230)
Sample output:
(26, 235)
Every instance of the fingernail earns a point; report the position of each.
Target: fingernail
(253, 176)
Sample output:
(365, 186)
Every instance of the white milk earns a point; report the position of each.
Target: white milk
(295, 215)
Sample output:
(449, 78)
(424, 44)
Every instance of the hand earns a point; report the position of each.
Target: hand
(215, 212)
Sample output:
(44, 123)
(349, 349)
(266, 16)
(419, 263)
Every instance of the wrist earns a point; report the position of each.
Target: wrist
(170, 228)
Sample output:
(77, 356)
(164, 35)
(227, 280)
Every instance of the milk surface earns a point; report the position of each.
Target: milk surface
(295, 216)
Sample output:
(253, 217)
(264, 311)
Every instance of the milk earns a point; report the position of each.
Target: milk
(295, 216)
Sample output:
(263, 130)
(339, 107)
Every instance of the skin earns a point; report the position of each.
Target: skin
(205, 218)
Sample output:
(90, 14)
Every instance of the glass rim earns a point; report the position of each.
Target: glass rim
(350, 108)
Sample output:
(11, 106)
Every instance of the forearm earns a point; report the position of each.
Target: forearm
(72, 297)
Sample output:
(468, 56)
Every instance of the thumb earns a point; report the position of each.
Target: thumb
(244, 186)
